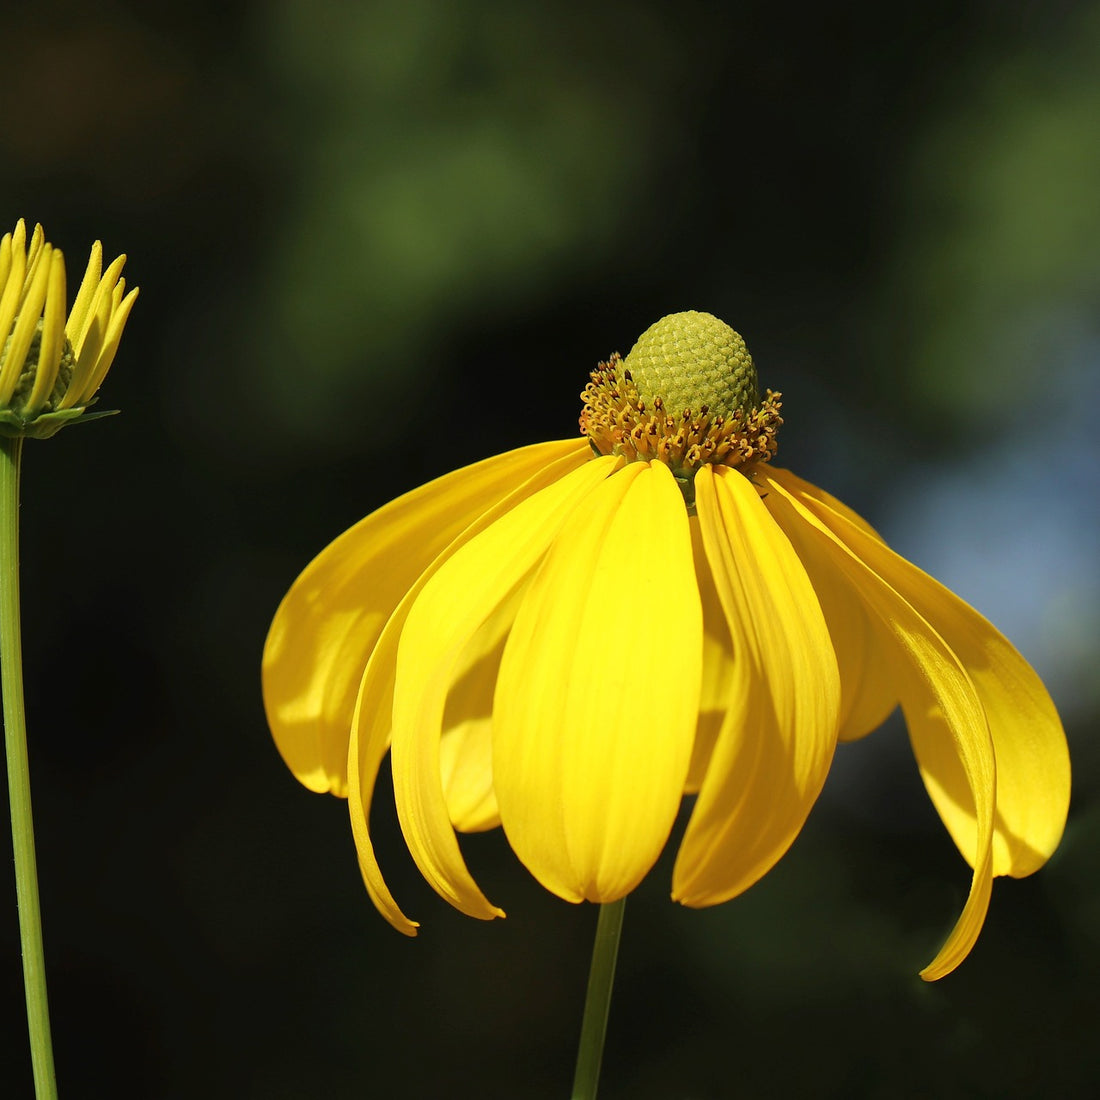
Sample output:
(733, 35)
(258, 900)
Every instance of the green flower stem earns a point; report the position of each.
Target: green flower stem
(597, 1002)
(19, 783)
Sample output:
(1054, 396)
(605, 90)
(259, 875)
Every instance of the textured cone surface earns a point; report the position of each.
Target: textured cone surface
(690, 360)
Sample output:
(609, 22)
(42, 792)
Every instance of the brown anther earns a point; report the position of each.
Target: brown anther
(616, 421)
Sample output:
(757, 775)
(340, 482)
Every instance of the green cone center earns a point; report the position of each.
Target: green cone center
(693, 360)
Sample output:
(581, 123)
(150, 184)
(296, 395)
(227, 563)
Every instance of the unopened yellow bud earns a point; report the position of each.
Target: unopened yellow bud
(50, 367)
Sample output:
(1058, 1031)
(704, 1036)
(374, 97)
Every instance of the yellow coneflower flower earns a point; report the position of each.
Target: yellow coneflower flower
(568, 638)
(50, 368)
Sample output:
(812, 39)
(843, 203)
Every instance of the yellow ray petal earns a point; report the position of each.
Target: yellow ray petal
(372, 718)
(598, 691)
(866, 694)
(807, 489)
(15, 260)
(5, 266)
(777, 741)
(463, 752)
(466, 766)
(53, 335)
(719, 673)
(928, 679)
(330, 619)
(111, 340)
(88, 341)
(1033, 769)
(30, 313)
(78, 315)
(446, 615)
(34, 254)
(367, 748)
(466, 749)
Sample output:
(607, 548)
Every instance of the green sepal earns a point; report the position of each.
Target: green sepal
(42, 426)
(687, 489)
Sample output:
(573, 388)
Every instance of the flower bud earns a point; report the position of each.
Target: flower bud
(50, 368)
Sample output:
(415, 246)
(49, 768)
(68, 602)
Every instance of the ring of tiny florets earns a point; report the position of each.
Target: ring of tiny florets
(617, 422)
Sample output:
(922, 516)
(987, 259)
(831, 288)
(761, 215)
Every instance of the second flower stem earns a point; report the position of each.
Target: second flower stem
(597, 1002)
(19, 783)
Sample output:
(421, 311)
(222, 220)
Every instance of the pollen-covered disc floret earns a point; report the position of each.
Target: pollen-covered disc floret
(687, 396)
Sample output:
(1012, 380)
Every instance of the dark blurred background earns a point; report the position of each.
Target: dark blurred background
(379, 240)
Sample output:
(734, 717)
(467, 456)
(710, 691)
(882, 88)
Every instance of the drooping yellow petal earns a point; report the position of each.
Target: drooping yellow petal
(448, 612)
(598, 691)
(367, 748)
(719, 673)
(867, 698)
(1033, 769)
(466, 748)
(466, 766)
(777, 740)
(808, 490)
(866, 693)
(927, 677)
(373, 714)
(329, 621)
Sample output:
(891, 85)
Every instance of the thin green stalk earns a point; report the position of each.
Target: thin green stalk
(597, 1002)
(19, 781)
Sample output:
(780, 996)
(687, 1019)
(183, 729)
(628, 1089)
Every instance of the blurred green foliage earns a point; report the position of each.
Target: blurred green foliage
(997, 272)
(447, 166)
